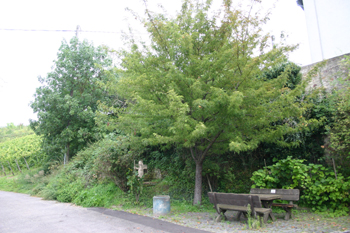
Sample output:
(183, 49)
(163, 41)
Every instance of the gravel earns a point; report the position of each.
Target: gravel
(301, 222)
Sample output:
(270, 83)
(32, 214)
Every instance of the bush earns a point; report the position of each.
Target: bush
(107, 159)
(319, 188)
(70, 185)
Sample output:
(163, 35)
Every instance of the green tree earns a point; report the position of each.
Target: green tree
(67, 100)
(199, 85)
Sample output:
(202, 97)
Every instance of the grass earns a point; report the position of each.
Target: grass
(182, 211)
(22, 183)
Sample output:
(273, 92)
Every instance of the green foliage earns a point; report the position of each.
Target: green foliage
(110, 158)
(287, 174)
(98, 195)
(198, 85)
(67, 100)
(135, 184)
(339, 131)
(310, 142)
(28, 147)
(10, 185)
(177, 171)
(74, 184)
(91, 178)
(319, 188)
(11, 132)
(252, 222)
(294, 75)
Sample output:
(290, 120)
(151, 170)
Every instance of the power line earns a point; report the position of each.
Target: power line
(49, 30)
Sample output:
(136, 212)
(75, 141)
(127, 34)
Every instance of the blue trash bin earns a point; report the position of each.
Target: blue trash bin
(161, 204)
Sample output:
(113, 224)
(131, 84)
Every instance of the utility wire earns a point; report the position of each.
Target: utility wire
(48, 30)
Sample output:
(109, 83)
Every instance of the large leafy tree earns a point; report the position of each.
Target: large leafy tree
(199, 84)
(67, 100)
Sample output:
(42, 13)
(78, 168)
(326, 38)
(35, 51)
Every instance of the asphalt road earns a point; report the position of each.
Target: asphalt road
(21, 213)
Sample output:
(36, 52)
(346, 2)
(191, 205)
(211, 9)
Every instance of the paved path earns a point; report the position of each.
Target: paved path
(21, 213)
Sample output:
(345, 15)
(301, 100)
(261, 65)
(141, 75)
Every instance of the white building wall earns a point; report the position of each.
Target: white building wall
(328, 25)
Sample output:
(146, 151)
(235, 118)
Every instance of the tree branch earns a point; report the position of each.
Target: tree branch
(152, 21)
(210, 144)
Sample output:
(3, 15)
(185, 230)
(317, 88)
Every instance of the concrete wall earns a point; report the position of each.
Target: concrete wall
(328, 25)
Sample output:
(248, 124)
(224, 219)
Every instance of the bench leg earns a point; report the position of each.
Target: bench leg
(238, 216)
(288, 213)
(218, 218)
(221, 216)
(266, 217)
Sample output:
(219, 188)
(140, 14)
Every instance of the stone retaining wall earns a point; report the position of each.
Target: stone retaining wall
(329, 74)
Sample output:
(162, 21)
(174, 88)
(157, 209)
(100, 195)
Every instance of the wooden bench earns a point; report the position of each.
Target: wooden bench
(286, 195)
(238, 202)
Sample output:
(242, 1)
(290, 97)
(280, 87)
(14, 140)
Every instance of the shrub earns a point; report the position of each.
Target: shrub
(107, 159)
(319, 188)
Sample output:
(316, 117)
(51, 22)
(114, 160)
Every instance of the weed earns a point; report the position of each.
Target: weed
(252, 222)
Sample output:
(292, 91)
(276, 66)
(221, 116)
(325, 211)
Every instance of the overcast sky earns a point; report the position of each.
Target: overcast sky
(25, 55)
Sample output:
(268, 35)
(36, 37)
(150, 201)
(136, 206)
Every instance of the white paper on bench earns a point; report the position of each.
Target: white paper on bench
(273, 191)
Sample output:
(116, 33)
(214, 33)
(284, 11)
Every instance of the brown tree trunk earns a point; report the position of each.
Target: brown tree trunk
(198, 156)
(197, 200)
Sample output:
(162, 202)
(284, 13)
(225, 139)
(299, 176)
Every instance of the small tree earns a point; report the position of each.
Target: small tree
(67, 100)
(200, 85)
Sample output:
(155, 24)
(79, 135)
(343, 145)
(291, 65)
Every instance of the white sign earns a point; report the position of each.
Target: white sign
(273, 191)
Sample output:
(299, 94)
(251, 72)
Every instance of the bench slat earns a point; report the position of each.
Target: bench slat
(242, 208)
(287, 194)
(233, 199)
(262, 210)
(232, 207)
(284, 205)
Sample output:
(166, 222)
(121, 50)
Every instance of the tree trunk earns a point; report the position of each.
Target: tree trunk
(197, 200)
(67, 153)
(198, 156)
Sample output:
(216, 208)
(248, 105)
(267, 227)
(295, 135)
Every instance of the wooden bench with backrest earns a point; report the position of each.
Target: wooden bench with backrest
(238, 202)
(286, 195)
